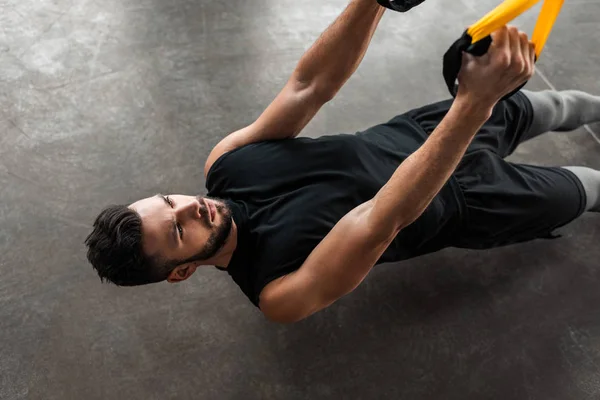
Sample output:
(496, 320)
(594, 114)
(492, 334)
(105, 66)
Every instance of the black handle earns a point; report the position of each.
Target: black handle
(399, 5)
(453, 60)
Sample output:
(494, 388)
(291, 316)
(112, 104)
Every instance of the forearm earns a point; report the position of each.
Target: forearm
(346, 255)
(422, 175)
(334, 57)
(483, 82)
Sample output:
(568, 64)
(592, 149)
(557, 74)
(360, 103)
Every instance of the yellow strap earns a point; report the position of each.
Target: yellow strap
(499, 17)
(509, 10)
(545, 22)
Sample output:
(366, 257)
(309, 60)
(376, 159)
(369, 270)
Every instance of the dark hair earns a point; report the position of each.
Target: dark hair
(115, 249)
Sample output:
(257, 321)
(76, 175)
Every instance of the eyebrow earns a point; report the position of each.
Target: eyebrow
(174, 236)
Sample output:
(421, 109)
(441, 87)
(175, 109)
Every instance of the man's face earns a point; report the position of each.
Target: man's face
(183, 228)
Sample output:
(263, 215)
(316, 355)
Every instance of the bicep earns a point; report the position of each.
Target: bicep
(286, 116)
(333, 269)
(292, 109)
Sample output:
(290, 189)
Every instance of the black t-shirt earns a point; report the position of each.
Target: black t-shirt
(286, 195)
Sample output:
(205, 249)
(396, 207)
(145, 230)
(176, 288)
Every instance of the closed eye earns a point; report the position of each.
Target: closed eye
(176, 225)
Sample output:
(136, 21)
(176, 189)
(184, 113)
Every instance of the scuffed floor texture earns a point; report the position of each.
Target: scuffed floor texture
(109, 101)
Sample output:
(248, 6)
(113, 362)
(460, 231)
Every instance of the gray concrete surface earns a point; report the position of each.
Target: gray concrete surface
(109, 101)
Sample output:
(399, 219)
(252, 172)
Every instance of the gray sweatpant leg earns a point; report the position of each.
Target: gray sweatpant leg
(590, 179)
(561, 111)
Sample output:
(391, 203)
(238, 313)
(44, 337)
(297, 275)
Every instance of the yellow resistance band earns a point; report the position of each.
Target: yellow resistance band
(509, 10)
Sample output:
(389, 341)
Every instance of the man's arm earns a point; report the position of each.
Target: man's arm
(347, 254)
(319, 75)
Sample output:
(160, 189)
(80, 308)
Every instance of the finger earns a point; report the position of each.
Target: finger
(533, 57)
(500, 37)
(525, 48)
(515, 49)
(525, 51)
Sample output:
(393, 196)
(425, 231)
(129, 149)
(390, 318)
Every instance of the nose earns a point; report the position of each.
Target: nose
(190, 209)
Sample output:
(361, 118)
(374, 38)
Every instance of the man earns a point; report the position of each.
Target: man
(299, 222)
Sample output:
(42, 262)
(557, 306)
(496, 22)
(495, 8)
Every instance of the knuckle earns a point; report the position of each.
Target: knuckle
(524, 40)
(518, 65)
(504, 61)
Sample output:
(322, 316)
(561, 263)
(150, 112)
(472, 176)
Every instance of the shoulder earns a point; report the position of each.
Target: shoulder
(224, 147)
(230, 142)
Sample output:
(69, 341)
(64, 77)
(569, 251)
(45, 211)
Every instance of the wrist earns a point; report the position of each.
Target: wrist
(474, 107)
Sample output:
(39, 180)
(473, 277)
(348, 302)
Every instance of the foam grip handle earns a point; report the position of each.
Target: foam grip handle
(453, 60)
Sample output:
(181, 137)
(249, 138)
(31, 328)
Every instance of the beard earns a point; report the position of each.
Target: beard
(219, 234)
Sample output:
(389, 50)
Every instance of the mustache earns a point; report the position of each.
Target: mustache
(203, 210)
(218, 236)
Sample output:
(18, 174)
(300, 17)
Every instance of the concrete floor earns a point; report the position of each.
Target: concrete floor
(109, 101)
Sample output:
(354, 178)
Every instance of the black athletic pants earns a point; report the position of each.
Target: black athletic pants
(506, 202)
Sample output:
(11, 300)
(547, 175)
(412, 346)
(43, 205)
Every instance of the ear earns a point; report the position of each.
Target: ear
(181, 273)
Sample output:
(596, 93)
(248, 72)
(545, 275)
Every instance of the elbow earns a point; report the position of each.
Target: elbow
(317, 88)
(324, 94)
(409, 217)
(379, 226)
(324, 91)
(385, 222)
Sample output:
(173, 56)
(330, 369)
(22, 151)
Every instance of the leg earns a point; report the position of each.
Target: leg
(561, 111)
(510, 203)
(520, 118)
(590, 179)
